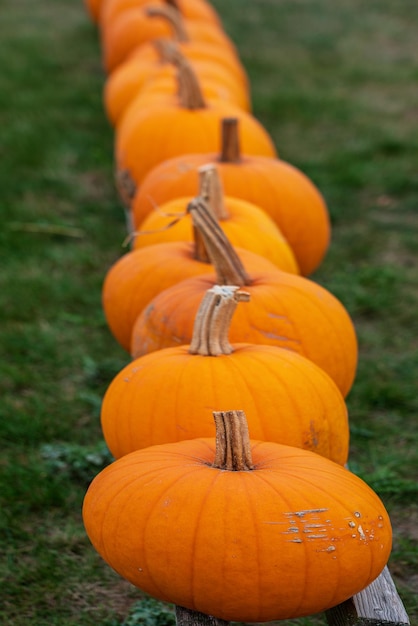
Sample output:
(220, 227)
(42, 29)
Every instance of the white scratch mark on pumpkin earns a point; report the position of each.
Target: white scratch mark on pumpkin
(328, 549)
(306, 512)
(361, 532)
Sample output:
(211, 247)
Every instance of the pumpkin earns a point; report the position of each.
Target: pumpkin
(286, 310)
(240, 529)
(147, 137)
(135, 27)
(140, 275)
(163, 88)
(153, 60)
(190, 9)
(245, 224)
(283, 191)
(286, 397)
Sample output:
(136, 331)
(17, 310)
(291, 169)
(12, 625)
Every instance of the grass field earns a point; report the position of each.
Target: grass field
(335, 85)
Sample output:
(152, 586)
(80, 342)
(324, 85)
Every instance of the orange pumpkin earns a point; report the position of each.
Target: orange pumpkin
(190, 9)
(286, 397)
(135, 27)
(286, 310)
(283, 191)
(147, 137)
(244, 530)
(163, 87)
(245, 224)
(153, 60)
(138, 276)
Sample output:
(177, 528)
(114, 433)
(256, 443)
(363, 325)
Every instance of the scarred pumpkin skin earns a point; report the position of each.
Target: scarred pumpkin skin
(286, 310)
(294, 536)
(286, 397)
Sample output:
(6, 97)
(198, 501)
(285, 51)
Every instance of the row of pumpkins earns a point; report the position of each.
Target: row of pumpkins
(229, 340)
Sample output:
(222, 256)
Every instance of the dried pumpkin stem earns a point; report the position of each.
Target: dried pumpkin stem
(173, 16)
(211, 190)
(189, 91)
(228, 267)
(213, 319)
(233, 450)
(200, 250)
(230, 147)
(167, 49)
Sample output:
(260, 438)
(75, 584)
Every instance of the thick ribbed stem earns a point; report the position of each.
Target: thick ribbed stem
(167, 49)
(200, 251)
(173, 16)
(211, 190)
(228, 267)
(213, 319)
(230, 148)
(233, 450)
(189, 90)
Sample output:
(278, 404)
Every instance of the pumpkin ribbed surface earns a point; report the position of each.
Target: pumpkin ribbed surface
(286, 310)
(295, 535)
(135, 27)
(145, 139)
(286, 194)
(286, 398)
(136, 74)
(246, 226)
(140, 275)
(190, 9)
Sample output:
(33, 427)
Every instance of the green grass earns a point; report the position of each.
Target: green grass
(335, 85)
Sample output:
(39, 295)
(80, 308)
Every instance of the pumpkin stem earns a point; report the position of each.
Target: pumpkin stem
(200, 251)
(211, 190)
(233, 450)
(189, 90)
(167, 49)
(228, 267)
(213, 319)
(230, 147)
(173, 16)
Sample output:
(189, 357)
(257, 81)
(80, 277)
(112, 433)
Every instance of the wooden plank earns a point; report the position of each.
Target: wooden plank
(377, 605)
